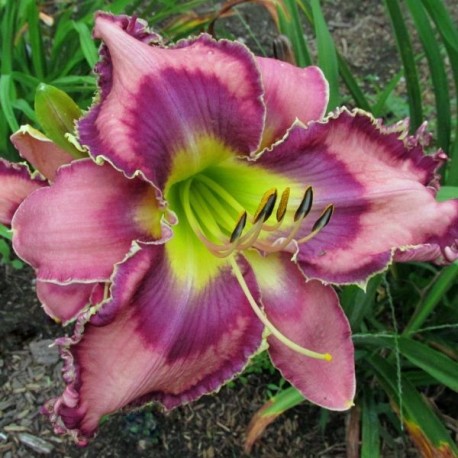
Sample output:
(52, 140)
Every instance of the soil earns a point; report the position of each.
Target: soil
(215, 425)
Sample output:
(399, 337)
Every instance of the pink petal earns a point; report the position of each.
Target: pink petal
(291, 93)
(40, 151)
(79, 227)
(16, 184)
(310, 315)
(161, 102)
(382, 186)
(64, 302)
(158, 339)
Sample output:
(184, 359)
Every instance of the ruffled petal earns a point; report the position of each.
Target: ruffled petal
(309, 314)
(382, 186)
(40, 151)
(165, 106)
(157, 339)
(78, 228)
(291, 93)
(16, 183)
(63, 303)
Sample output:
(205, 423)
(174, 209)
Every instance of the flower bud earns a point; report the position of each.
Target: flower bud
(57, 112)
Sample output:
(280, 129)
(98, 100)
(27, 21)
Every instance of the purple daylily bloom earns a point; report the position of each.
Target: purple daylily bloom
(217, 204)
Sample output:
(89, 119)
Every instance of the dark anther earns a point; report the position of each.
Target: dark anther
(324, 219)
(241, 223)
(305, 206)
(270, 205)
(266, 206)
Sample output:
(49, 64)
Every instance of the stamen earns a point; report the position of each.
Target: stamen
(305, 206)
(265, 321)
(324, 219)
(241, 223)
(281, 210)
(319, 224)
(266, 206)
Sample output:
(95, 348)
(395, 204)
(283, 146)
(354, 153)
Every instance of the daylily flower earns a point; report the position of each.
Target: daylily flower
(217, 206)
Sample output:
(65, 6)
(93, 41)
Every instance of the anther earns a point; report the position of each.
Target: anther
(241, 223)
(266, 206)
(324, 218)
(281, 210)
(305, 206)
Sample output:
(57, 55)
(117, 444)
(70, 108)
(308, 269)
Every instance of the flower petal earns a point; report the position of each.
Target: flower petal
(40, 151)
(63, 303)
(162, 103)
(157, 339)
(382, 186)
(16, 183)
(309, 314)
(291, 93)
(78, 228)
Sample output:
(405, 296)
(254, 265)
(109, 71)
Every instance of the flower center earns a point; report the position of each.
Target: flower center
(210, 211)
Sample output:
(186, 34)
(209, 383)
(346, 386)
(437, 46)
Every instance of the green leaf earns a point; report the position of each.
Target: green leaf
(437, 70)
(370, 427)
(426, 429)
(447, 192)
(291, 26)
(357, 303)
(285, 400)
(87, 43)
(57, 113)
(327, 56)
(7, 94)
(408, 61)
(35, 40)
(5, 232)
(352, 85)
(443, 20)
(378, 108)
(445, 280)
(435, 363)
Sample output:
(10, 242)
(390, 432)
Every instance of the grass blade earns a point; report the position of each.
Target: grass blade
(352, 85)
(370, 444)
(35, 40)
(6, 91)
(87, 43)
(445, 280)
(283, 401)
(327, 56)
(290, 25)
(434, 362)
(425, 428)
(408, 61)
(443, 21)
(378, 108)
(437, 70)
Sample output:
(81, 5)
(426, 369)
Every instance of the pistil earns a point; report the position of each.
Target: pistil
(266, 322)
